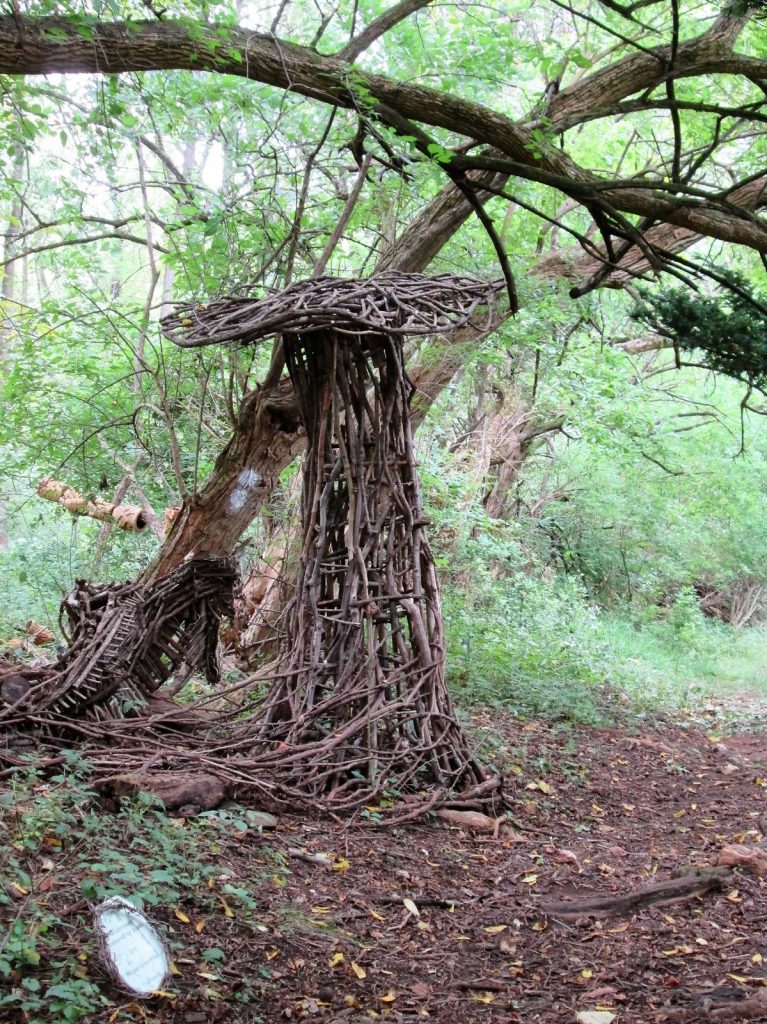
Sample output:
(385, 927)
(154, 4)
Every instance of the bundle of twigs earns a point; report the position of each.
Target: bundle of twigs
(125, 641)
(392, 304)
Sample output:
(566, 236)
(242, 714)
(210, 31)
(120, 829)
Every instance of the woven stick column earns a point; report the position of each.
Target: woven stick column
(363, 661)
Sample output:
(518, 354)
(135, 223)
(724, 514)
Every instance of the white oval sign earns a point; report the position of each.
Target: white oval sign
(134, 951)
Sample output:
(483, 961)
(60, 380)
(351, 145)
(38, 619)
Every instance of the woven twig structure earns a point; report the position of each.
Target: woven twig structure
(358, 707)
(125, 641)
(359, 703)
(391, 304)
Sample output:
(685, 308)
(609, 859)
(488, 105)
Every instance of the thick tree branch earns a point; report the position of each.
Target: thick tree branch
(80, 45)
(393, 16)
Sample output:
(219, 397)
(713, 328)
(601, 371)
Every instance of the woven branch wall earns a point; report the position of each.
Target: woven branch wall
(363, 661)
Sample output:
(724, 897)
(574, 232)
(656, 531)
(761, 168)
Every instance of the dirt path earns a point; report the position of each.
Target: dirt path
(603, 812)
(436, 923)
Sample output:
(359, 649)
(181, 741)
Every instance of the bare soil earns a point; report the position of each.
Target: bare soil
(431, 921)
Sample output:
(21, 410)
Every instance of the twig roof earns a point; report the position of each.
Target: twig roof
(395, 304)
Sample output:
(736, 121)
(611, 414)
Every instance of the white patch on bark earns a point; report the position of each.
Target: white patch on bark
(249, 478)
(238, 498)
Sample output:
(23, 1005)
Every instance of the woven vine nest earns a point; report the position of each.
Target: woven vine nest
(391, 304)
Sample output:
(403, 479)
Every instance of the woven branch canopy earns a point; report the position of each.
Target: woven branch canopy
(393, 304)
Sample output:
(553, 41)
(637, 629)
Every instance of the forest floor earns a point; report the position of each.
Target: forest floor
(430, 921)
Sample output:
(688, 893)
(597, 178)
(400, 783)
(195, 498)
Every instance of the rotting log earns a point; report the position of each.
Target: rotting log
(132, 518)
(128, 517)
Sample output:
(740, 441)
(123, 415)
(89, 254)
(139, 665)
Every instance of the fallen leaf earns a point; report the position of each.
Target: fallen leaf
(376, 916)
(182, 916)
(390, 996)
(530, 879)
(594, 1017)
(227, 909)
(272, 953)
(483, 997)
(336, 958)
(411, 907)
(359, 971)
(494, 929)
(342, 864)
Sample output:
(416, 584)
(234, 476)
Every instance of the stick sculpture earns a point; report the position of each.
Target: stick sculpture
(359, 702)
(358, 709)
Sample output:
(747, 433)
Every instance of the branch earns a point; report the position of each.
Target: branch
(58, 44)
(121, 235)
(379, 26)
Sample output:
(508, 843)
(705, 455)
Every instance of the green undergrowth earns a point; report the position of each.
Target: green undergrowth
(542, 648)
(61, 852)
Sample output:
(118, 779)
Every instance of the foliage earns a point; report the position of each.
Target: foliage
(60, 851)
(730, 327)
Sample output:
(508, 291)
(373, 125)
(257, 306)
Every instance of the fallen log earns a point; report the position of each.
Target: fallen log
(132, 518)
(176, 790)
(672, 890)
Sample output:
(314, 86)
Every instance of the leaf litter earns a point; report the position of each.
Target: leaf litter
(451, 920)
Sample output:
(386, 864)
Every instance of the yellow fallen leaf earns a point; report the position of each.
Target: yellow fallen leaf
(376, 916)
(18, 889)
(174, 970)
(587, 973)
(182, 916)
(390, 996)
(678, 951)
(757, 958)
(227, 909)
(734, 896)
(411, 907)
(272, 953)
(738, 977)
(351, 1001)
(359, 971)
(342, 864)
(336, 958)
(320, 910)
(483, 997)
(423, 926)
(494, 929)
(208, 975)
(529, 879)
(199, 926)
